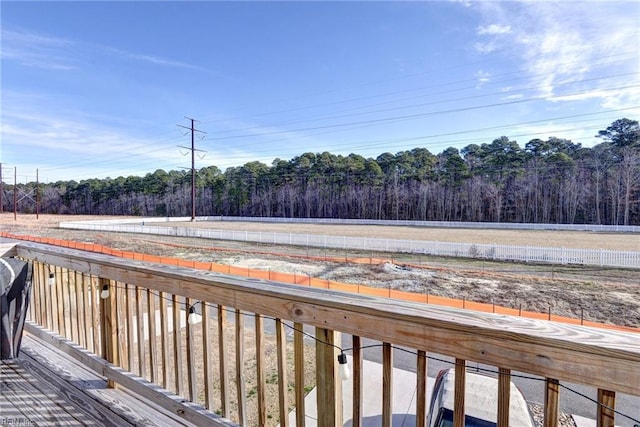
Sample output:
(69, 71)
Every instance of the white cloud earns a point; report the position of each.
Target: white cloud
(494, 29)
(484, 48)
(53, 53)
(555, 43)
(483, 77)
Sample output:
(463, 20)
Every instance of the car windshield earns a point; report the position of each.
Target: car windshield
(445, 419)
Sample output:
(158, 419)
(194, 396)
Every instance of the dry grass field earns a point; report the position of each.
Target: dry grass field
(601, 295)
(568, 239)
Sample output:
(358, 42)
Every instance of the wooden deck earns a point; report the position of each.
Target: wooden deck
(46, 387)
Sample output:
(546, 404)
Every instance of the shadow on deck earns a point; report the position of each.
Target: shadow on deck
(45, 387)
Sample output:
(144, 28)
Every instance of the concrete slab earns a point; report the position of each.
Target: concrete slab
(404, 398)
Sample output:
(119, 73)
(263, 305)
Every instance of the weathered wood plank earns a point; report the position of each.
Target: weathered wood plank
(421, 388)
(191, 361)
(504, 396)
(86, 298)
(207, 362)
(358, 381)
(153, 354)
(177, 347)
(459, 392)
(260, 371)
(59, 288)
(139, 305)
(164, 340)
(283, 382)
(387, 385)
(606, 408)
(176, 405)
(95, 313)
(225, 407)
(79, 292)
(298, 354)
(328, 384)
(240, 384)
(129, 293)
(551, 402)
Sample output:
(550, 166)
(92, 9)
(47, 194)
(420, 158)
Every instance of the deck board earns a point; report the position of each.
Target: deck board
(46, 387)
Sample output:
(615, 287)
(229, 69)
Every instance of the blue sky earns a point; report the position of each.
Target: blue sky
(97, 89)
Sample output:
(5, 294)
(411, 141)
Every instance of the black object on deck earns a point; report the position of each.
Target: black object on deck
(15, 289)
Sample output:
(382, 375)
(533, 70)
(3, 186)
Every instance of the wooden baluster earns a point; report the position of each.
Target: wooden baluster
(177, 346)
(60, 301)
(421, 389)
(191, 368)
(142, 363)
(153, 356)
(95, 313)
(222, 351)
(298, 343)
(86, 310)
(357, 381)
(260, 371)
(551, 407)
(206, 352)
(458, 399)
(281, 344)
(82, 331)
(329, 385)
(504, 396)
(387, 385)
(606, 406)
(240, 385)
(164, 339)
(108, 327)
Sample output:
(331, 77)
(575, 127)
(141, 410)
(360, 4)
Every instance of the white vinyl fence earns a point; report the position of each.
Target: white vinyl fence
(550, 255)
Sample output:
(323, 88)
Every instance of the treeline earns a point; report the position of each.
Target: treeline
(545, 181)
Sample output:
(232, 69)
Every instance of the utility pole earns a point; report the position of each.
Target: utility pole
(15, 193)
(193, 164)
(37, 196)
(1, 191)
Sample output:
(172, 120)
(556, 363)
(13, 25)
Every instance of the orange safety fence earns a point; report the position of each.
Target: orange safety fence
(308, 281)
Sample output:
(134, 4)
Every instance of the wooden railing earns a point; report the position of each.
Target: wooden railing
(252, 374)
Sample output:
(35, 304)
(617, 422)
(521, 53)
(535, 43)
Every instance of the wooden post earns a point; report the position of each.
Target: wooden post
(606, 406)
(164, 340)
(387, 385)
(357, 381)
(283, 383)
(177, 346)
(222, 350)
(551, 407)
(421, 389)
(191, 362)
(260, 371)
(206, 350)
(329, 385)
(142, 363)
(298, 339)
(504, 395)
(151, 316)
(108, 327)
(240, 384)
(458, 399)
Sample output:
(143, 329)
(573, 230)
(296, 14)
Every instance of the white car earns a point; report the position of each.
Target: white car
(480, 402)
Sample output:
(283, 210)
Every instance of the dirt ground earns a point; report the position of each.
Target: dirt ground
(605, 295)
